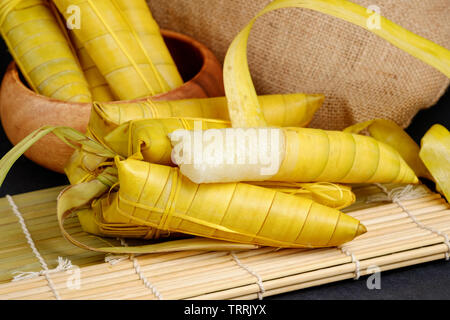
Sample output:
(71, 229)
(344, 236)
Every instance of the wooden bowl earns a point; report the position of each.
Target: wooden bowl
(22, 111)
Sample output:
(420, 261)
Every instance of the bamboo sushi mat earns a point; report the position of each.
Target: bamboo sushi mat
(406, 226)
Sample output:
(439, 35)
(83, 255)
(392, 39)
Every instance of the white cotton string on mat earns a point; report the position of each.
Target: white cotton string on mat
(406, 193)
(354, 260)
(63, 264)
(400, 193)
(259, 280)
(114, 259)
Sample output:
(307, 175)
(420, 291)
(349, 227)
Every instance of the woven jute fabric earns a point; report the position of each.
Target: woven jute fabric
(299, 50)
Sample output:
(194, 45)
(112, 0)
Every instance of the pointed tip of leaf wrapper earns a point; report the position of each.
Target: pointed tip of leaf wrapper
(413, 178)
(361, 230)
(302, 107)
(316, 100)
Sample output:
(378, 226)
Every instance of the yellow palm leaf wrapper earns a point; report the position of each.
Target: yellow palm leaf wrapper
(103, 221)
(151, 136)
(113, 44)
(295, 154)
(41, 51)
(329, 194)
(148, 140)
(392, 134)
(81, 195)
(295, 110)
(97, 83)
(140, 18)
(159, 197)
(280, 110)
(83, 166)
(332, 156)
(431, 161)
(134, 137)
(435, 154)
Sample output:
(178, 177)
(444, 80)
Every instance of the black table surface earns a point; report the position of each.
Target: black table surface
(425, 281)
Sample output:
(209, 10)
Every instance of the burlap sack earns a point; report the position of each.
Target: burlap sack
(298, 50)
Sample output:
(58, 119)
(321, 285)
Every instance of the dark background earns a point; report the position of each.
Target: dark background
(425, 281)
